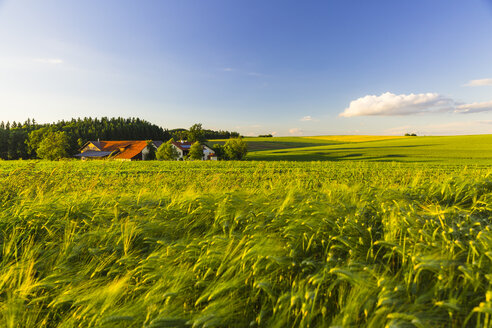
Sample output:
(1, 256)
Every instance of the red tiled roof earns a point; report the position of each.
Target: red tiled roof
(126, 149)
(183, 145)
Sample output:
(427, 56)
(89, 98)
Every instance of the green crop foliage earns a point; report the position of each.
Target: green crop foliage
(245, 244)
(464, 150)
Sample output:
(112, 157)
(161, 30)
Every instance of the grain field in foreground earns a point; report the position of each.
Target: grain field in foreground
(277, 244)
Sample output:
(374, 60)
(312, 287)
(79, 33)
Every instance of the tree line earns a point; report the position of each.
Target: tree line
(183, 134)
(23, 140)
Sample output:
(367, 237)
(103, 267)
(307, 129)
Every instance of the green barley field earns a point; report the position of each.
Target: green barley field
(463, 150)
(371, 239)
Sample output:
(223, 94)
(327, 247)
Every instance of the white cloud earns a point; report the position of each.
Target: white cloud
(296, 132)
(256, 74)
(474, 107)
(52, 61)
(306, 118)
(389, 104)
(479, 83)
(274, 133)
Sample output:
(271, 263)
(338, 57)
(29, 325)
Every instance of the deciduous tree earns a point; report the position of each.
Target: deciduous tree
(196, 151)
(219, 151)
(54, 146)
(196, 133)
(236, 149)
(167, 152)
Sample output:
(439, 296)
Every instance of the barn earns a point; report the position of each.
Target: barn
(129, 150)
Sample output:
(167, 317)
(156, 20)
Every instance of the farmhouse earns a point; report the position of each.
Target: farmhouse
(123, 150)
(183, 148)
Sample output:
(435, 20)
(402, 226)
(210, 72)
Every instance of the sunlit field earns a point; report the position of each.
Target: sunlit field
(464, 150)
(355, 138)
(246, 244)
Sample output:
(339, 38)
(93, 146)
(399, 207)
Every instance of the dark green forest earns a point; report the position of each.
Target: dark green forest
(20, 140)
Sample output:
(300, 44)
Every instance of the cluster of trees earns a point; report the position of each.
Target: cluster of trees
(12, 139)
(166, 152)
(410, 134)
(183, 134)
(25, 140)
(233, 149)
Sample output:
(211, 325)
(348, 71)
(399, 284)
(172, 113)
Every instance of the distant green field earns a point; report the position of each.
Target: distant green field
(260, 144)
(475, 149)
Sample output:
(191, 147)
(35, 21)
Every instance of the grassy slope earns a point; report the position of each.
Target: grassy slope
(476, 149)
(246, 244)
(274, 143)
(259, 144)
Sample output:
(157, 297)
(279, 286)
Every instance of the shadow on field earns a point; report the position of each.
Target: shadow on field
(337, 157)
(274, 145)
(384, 153)
(381, 147)
(278, 145)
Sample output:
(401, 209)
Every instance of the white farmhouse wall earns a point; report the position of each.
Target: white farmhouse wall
(180, 153)
(206, 151)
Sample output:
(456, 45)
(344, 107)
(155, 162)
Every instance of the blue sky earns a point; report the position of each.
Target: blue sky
(283, 67)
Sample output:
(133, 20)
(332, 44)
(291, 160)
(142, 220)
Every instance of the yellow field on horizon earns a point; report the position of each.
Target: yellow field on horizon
(355, 138)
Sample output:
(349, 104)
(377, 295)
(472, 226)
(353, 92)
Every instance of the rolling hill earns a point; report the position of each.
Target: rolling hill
(468, 150)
